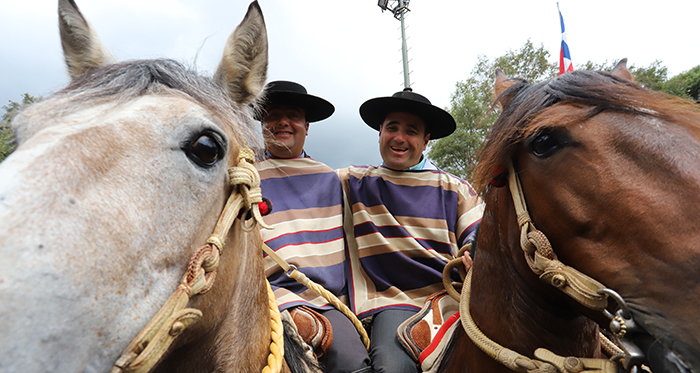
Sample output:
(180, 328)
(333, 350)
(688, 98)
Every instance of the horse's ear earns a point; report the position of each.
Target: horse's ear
(82, 48)
(620, 70)
(243, 68)
(502, 82)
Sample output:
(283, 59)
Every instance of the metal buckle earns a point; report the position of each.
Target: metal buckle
(291, 269)
(623, 327)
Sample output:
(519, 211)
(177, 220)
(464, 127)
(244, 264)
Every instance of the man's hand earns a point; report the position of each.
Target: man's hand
(467, 260)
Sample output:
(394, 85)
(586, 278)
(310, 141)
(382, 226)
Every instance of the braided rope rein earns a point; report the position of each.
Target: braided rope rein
(545, 362)
(147, 349)
(276, 356)
(319, 289)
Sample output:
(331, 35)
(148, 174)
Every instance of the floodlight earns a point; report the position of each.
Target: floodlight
(398, 8)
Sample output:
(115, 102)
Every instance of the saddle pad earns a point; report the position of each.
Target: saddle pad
(431, 357)
(314, 328)
(418, 332)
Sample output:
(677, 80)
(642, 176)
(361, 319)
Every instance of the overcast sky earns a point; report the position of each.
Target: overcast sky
(349, 51)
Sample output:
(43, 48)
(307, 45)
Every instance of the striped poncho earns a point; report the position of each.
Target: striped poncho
(402, 227)
(307, 218)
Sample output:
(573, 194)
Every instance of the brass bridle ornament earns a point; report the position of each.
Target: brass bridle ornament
(587, 291)
(146, 350)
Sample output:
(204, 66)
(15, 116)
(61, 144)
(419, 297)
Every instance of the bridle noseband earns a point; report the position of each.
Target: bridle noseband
(543, 262)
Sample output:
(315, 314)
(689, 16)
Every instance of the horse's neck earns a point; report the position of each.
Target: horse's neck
(236, 338)
(512, 307)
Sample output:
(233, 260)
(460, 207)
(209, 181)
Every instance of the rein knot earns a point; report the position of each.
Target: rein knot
(211, 262)
(185, 288)
(523, 218)
(541, 242)
(246, 178)
(216, 241)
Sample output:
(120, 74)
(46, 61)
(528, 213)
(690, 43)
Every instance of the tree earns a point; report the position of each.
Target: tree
(593, 66)
(686, 85)
(471, 105)
(652, 77)
(7, 136)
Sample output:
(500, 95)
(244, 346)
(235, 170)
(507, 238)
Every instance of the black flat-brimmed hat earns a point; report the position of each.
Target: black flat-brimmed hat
(283, 92)
(438, 122)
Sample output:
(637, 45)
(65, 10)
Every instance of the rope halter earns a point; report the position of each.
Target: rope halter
(542, 260)
(149, 346)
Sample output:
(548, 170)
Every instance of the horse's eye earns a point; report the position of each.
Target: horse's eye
(546, 142)
(204, 150)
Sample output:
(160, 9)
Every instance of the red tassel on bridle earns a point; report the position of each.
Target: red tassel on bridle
(265, 206)
(498, 176)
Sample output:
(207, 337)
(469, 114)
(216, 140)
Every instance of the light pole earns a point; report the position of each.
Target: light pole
(398, 8)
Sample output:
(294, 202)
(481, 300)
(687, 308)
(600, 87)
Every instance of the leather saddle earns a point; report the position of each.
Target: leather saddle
(314, 328)
(426, 334)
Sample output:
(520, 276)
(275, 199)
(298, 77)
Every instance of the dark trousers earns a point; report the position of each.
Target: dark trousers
(388, 356)
(347, 353)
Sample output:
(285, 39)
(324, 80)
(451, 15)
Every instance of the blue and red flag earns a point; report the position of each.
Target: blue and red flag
(565, 64)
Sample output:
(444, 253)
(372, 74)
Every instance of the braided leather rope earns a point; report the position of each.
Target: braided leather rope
(543, 262)
(149, 346)
(330, 297)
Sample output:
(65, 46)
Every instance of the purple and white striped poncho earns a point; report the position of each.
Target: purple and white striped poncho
(307, 218)
(402, 227)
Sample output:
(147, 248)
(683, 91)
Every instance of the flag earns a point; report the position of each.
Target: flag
(565, 64)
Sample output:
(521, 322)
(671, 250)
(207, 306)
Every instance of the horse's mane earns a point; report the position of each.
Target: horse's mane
(596, 91)
(119, 83)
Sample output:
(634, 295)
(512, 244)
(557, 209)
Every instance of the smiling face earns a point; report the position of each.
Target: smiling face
(285, 129)
(402, 140)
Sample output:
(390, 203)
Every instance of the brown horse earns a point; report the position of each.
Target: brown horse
(117, 180)
(609, 172)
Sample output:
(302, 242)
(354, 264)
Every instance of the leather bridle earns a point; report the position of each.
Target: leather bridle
(151, 344)
(542, 260)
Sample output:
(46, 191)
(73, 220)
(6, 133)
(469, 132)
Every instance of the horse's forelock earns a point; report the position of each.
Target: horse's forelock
(607, 92)
(121, 82)
(523, 103)
(518, 102)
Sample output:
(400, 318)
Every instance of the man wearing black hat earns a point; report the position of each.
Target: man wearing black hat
(403, 221)
(307, 218)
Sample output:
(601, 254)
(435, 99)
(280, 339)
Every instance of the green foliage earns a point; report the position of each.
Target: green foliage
(686, 85)
(7, 136)
(592, 66)
(7, 143)
(456, 153)
(652, 77)
(470, 105)
(471, 102)
(655, 77)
